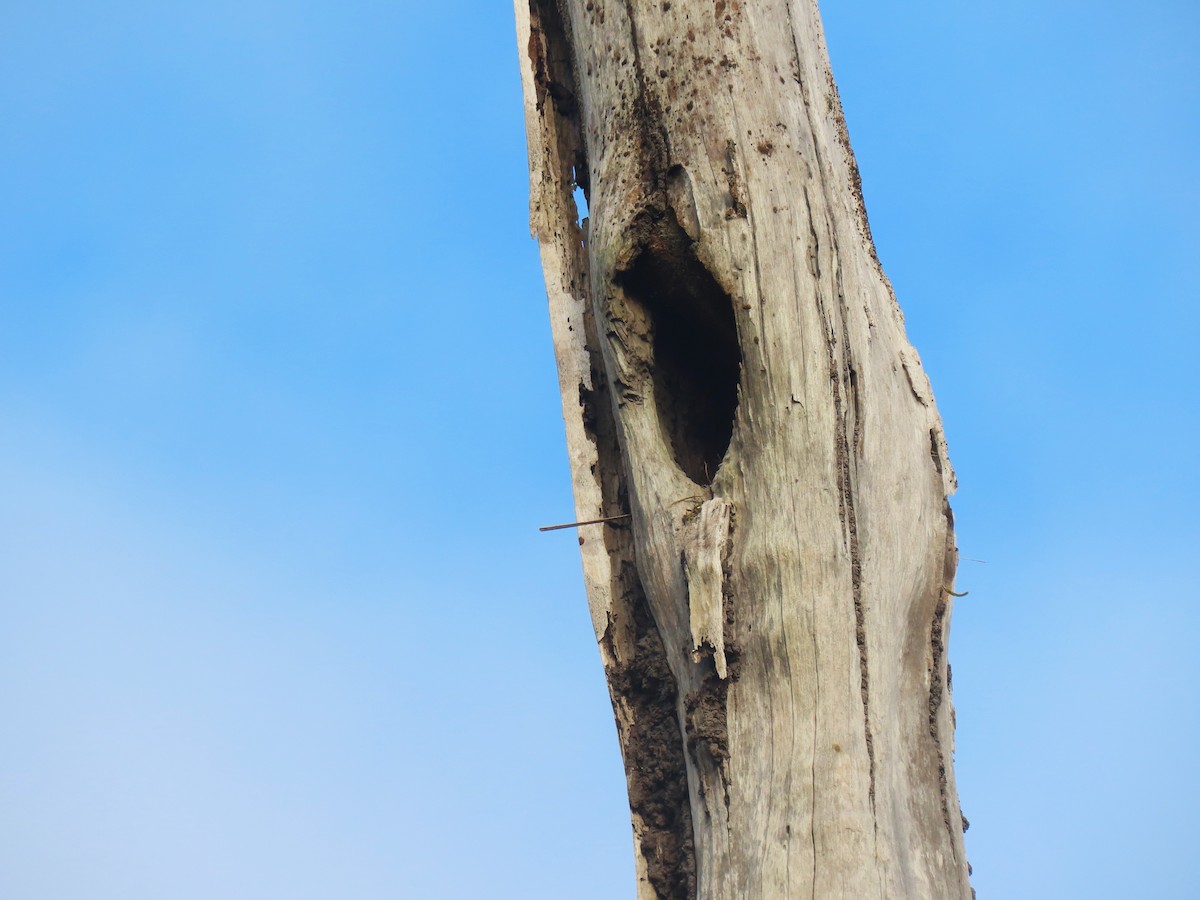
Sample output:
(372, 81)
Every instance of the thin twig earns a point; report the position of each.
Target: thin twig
(588, 522)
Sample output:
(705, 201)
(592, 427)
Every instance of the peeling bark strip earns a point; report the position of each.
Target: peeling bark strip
(772, 582)
(704, 568)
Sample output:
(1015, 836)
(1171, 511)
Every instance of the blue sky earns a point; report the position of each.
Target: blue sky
(280, 422)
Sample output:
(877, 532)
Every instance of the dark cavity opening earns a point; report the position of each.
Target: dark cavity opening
(697, 361)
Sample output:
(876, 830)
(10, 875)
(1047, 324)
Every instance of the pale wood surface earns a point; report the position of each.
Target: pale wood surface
(773, 618)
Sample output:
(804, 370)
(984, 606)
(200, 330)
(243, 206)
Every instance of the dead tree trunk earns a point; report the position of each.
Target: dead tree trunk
(735, 375)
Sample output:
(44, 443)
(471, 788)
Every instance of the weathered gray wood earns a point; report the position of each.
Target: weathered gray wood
(735, 374)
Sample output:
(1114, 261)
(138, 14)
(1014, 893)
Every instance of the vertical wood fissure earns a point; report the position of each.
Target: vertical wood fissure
(936, 689)
(847, 448)
(842, 380)
(939, 675)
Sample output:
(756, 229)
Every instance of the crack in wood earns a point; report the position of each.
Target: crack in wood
(939, 668)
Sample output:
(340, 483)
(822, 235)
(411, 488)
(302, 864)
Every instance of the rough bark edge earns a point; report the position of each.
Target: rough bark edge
(641, 686)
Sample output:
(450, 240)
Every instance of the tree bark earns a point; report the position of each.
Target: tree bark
(773, 616)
